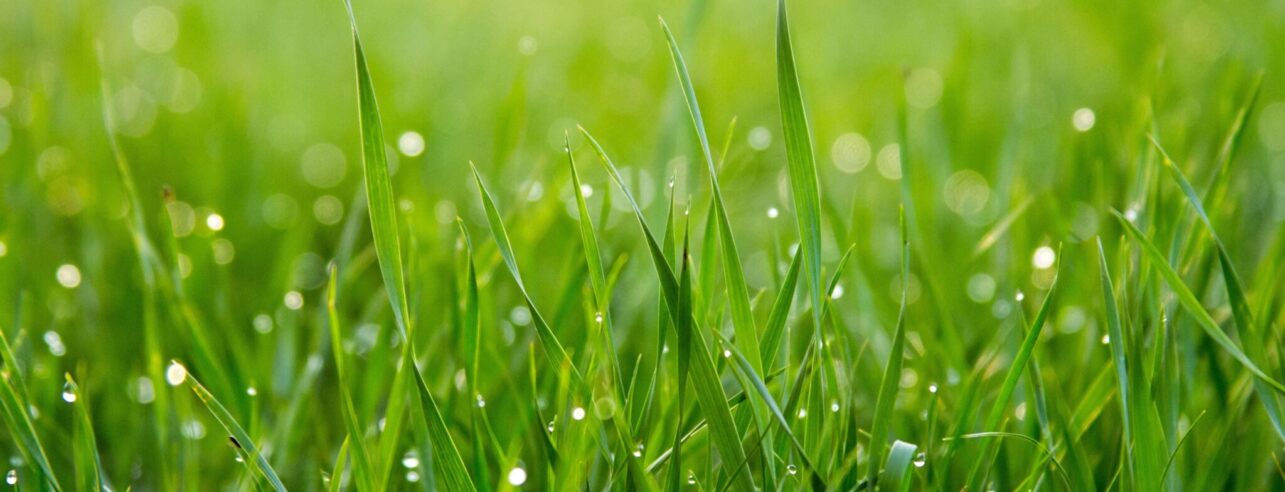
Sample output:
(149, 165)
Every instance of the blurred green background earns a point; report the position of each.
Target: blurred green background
(247, 111)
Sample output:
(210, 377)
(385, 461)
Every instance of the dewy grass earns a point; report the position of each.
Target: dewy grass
(988, 246)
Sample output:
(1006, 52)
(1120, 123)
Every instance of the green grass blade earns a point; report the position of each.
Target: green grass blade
(337, 475)
(84, 443)
(1192, 305)
(1000, 406)
(704, 376)
(379, 187)
(896, 473)
(363, 471)
(733, 271)
(802, 161)
(746, 369)
(241, 440)
(892, 371)
(1241, 312)
(446, 457)
(15, 406)
(383, 220)
(774, 331)
(1118, 351)
(548, 340)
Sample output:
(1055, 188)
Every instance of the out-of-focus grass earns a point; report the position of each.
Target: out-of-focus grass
(1097, 144)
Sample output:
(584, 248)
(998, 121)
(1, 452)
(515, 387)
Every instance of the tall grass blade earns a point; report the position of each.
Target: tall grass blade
(802, 161)
(737, 292)
(383, 221)
(548, 340)
(363, 471)
(892, 371)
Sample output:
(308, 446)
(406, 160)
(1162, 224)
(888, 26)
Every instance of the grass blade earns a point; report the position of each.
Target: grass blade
(892, 371)
(896, 474)
(1241, 312)
(802, 161)
(13, 402)
(241, 440)
(552, 347)
(363, 471)
(383, 221)
(704, 377)
(1189, 302)
(737, 292)
(84, 444)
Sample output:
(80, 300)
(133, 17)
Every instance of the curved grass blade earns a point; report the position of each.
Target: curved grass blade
(1191, 304)
(1181, 440)
(802, 161)
(602, 302)
(737, 292)
(15, 406)
(240, 439)
(548, 340)
(896, 473)
(84, 443)
(892, 372)
(704, 377)
(363, 471)
(746, 369)
(1241, 312)
(383, 221)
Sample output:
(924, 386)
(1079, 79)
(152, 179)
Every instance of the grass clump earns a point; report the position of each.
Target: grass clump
(934, 261)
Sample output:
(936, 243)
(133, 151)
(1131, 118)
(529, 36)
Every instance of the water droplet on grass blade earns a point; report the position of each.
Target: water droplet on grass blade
(920, 460)
(68, 392)
(175, 374)
(517, 476)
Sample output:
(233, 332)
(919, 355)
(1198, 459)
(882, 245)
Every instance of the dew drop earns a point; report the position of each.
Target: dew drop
(481, 402)
(175, 374)
(671, 182)
(727, 354)
(11, 478)
(834, 406)
(549, 427)
(791, 469)
(803, 413)
(920, 460)
(517, 476)
(1106, 339)
(68, 392)
(577, 413)
(412, 476)
(410, 459)
(773, 213)
(932, 388)
(597, 318)
(1019, 296)
(252, 391)
(638, 450)
(691, 477)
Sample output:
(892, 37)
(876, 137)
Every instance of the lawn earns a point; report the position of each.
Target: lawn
(699, 245)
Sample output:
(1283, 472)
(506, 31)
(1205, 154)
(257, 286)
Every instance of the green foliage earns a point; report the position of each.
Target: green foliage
(1000, 245)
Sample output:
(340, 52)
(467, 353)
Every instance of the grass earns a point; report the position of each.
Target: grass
(1027, 247)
